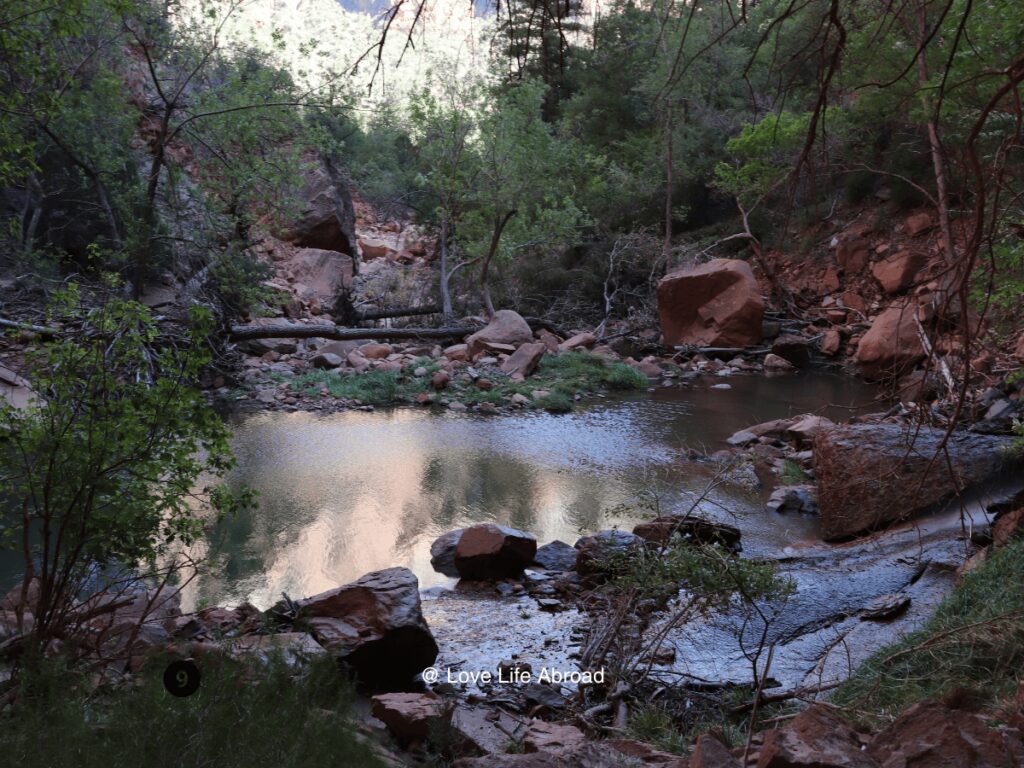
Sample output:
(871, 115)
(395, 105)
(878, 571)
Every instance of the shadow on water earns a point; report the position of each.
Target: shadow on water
(348, 493)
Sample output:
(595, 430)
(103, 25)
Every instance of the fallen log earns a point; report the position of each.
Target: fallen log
(384, 314)
(39, 330)
(339, 333)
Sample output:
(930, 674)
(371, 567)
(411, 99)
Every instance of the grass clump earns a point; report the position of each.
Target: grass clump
(791, 473)
(274, 715)
(975, 641)
(586, 372)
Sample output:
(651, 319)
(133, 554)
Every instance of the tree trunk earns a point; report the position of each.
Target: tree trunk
(666, 247)
(446, 294)
(485, 289)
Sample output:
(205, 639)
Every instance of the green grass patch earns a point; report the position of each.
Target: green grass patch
(791, 473)
(272, 716)
(562, 375)
(975, 641)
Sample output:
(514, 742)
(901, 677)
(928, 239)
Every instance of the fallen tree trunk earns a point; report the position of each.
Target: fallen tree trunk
(39, 330)
(383, 314)
(338, 333)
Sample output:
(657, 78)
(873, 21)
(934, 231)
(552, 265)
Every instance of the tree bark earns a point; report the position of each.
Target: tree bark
(338, 333)
(499, 227)
(446, 294)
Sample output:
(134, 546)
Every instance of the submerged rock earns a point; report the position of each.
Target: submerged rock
(375, 625)
(689, 528)
(870, 475)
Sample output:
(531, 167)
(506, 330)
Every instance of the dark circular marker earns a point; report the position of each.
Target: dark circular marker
(181, 678)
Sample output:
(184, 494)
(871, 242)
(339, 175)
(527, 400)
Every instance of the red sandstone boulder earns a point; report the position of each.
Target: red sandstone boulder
(853, 255)
(713, 304)
(586, 340)
(831, 342)
(891, 345)
(506, 327)
(870, 475)
(899, 272)
(409, 716)
(918, 223)
(375, 351)
(931, 735)
(524, 360)
(816, 738)
(489, 552)
(542, 736)
(709, 752)
(375, 625)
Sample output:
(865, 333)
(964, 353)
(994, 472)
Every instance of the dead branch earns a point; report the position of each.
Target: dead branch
(338, 333)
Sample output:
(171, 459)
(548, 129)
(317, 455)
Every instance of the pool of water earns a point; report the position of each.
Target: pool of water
(348, 493)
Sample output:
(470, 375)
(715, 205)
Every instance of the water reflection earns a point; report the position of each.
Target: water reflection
(349, 493)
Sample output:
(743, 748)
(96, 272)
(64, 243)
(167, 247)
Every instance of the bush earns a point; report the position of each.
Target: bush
(269, 716)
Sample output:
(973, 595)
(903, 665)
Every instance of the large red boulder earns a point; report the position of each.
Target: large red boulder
(899, 272)
(816, 738)
(870, 475)
(375, 625)
(524, 360)
(505, 328)
(489, 552)
(891, 345)
(931, 735)
(715, 304)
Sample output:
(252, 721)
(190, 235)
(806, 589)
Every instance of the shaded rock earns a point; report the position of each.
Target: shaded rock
(794, 498)
(440, 379)
(484, 731)
(773, 362)
(1008, 527)
(291, 647)
(442, 553)
(14, 389)
(585, 340)
(931, 735)
(689, 528)
(339, 348)
(524, 360)
(891, 345)
(458, 352)
(831, 342)
(326, 218)
(326, 360)
(645, 753)
(899, 271)
(794, 349)
(375, 625)
(544, 696)
(592, 551)
(357, 361)
(853, 255)
(709, 752)
(886, 607)
(743, 437)
(488, 552)
(816, 738)
(873, 474)
(375, 248)
(506, 328)
(589, 755)
(556, 556)
(918, 223)
(374, 351)
(408, 716)
(806, 427)
(552, 737)
(713, 304)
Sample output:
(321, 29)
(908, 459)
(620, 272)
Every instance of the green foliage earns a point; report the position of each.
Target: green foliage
(792, 474)
(107, 458)
(280, 716)
(974, 641)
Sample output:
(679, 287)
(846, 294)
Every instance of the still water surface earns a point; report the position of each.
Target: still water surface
(348, 493)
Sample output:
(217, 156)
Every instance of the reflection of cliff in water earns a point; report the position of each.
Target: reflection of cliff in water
(349, 493)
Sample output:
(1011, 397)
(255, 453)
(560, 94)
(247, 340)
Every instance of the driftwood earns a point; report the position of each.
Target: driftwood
(39, 330)
(338, 333)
